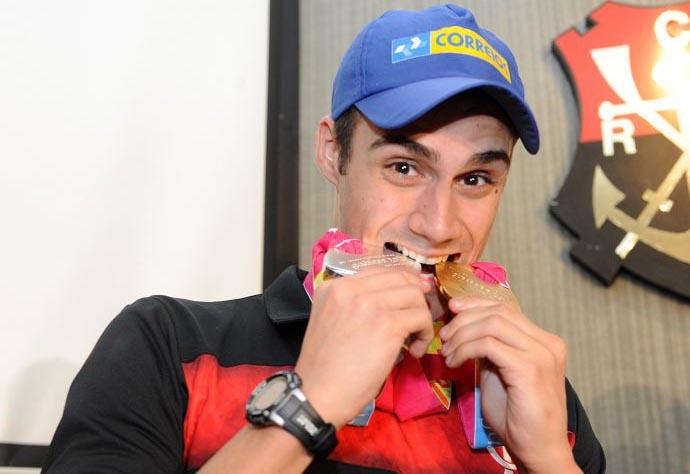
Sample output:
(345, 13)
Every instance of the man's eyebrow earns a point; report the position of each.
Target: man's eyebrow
(486, 157)
(417, 148)
(410, 145)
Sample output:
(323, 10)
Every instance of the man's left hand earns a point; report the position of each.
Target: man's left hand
(522, 379)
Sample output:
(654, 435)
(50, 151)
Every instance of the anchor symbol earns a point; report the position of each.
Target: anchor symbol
(615, 66)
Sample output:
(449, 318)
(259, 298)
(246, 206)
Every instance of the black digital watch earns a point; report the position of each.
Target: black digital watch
(279, 401)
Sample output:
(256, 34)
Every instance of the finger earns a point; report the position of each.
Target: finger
(460, 305)
(546, 345)
(488, 347)
(468, 316)
(395, 298)
(353, 286)
(382, 277)
(492, 325)
(416, 322)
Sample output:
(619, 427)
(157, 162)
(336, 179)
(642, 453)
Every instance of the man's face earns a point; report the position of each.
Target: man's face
(431, 190)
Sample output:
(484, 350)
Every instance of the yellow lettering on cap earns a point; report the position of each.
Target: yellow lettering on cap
(459, 40)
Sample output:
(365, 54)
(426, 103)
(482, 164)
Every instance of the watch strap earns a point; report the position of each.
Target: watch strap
(301, 419)
(325, 442)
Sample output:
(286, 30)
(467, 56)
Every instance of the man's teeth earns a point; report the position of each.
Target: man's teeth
(421, 258)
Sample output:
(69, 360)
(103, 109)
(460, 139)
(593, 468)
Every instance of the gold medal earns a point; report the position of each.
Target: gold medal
(457, 280)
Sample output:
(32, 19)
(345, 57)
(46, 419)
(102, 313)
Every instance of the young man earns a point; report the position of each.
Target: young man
(427, 108)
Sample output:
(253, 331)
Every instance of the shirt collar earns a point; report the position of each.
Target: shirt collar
(286, 300)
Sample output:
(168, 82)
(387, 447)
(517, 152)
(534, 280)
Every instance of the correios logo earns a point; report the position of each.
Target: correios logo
(449, 40)
(627, 196)
(408, 48)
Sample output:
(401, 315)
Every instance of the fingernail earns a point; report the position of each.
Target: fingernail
(449, 360)
(442, 333)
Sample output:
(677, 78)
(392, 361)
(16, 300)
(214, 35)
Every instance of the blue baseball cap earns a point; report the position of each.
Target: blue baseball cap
(405, 63)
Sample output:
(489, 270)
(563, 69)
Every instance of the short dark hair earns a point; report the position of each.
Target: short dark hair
(344, 130)
(346, 122)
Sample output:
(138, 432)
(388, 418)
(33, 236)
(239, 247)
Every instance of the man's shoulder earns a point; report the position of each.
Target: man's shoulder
(285, 293)
(178, 309)
(235, 331)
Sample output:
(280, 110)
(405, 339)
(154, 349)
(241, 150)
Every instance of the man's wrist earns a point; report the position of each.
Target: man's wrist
(567, 468)
(279, 400)
(237, 455)
(322, 404)
(560, 460)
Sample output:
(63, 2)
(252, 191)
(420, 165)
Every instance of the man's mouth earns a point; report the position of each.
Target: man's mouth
(426, 263)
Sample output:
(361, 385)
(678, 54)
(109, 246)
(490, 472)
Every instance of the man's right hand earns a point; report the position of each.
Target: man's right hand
(357, 327)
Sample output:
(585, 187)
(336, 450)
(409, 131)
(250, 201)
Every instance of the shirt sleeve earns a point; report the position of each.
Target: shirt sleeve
(587, 450)
(125, 409)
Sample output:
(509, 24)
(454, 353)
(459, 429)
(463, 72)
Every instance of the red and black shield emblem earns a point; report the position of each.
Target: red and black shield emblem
(627, 196)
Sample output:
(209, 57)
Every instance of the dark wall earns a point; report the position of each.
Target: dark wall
(629, 343)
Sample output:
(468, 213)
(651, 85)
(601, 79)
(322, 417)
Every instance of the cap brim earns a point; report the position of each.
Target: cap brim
(400, 106)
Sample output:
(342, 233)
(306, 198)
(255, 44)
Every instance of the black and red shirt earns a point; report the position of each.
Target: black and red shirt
(166, 385)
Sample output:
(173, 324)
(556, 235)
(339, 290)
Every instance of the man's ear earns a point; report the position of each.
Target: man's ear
(327, 150)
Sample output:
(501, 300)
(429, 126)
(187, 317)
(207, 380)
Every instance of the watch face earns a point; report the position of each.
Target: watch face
(271, 392)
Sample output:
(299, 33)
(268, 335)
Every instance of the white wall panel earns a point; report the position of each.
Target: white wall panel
(132, 138)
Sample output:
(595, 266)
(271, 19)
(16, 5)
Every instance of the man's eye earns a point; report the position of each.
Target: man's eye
(475, 180)
(404, 168)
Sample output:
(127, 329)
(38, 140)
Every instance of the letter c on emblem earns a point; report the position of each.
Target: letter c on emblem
(682, 39)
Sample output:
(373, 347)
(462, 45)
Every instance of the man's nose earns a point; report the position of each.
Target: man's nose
(436, 216)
